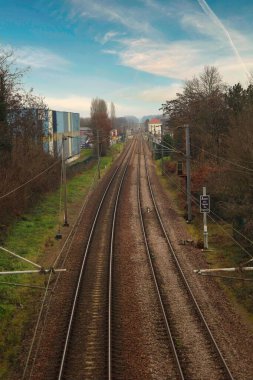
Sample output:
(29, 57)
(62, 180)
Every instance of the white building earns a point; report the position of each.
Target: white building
(155, 127)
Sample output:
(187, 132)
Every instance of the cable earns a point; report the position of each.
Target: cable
(223, 159)
(206, 131)
(226, 277)
(231, 237)
(194, 199)
(30, 180)
(234, 229)
(70, 236)
(74, 228)
(22, 285)
(37, 326)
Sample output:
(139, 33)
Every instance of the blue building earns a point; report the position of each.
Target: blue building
(58, 124)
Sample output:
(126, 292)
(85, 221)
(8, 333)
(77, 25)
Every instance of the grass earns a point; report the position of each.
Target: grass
(28, 237)
(224, 252)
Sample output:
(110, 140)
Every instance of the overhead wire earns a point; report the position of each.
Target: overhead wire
(196, 201)
(70, 239)
(223, 159)
(234, 229)
(36, 327)
(29, 181)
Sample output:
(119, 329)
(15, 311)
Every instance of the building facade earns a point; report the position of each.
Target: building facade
(58, 124)
(155, 127)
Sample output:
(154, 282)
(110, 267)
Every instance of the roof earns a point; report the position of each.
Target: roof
(155, 121)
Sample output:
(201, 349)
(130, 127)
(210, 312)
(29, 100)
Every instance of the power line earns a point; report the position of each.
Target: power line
(222, 158)
(29, 181)
(196, 201)
(70, 238)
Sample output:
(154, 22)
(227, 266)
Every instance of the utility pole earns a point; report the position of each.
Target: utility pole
(206, 203)
(188, 172)
(98, 155)
(162, 147)
(64, 177)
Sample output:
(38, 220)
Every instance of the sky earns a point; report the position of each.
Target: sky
(136, 54)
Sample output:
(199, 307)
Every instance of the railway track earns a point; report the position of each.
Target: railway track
(101, 331)
(53, 349)
(180, 309)
(88, 344)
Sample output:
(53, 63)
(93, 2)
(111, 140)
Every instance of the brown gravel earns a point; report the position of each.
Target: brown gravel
(141, 351)
(232, 333)
(141, 341)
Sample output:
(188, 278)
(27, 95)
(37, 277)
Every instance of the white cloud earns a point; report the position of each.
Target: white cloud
(220, 27)
(132, 19)
(179, 60)
(72, 103)
(160, 93)
(173, 60)
(40, 58)
(107, 37)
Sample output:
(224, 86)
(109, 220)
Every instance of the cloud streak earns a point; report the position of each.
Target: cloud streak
(40, 58)
(72, 103)
(118, 14)
(208, 11)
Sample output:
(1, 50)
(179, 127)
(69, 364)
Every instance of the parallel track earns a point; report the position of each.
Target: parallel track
(176, 352)
(88, 343)
(156, 282)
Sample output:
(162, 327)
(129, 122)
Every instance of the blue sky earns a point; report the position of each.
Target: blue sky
(135, 53)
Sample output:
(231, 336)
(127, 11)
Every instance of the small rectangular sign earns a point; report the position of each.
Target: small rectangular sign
(205, 203)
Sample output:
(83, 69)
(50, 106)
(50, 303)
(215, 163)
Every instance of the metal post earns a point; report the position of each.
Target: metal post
(98, 155)
(205, 224)
(65, 224)
(188, 172)
(162, 148)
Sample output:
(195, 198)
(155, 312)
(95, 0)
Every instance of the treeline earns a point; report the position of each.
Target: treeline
(220, 118)
(102, 121)
(21, 143)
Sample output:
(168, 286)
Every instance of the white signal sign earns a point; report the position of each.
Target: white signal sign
(205, 203)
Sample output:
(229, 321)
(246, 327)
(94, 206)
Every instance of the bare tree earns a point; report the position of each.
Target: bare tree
(113, 115)
(101, 124)
(21, 139)
(202, 105)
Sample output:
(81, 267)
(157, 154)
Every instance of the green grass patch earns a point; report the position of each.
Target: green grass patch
(28, 237)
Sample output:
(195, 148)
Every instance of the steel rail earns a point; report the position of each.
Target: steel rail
(201, 316)
(67, 339)
(167, 325)
(111, 271)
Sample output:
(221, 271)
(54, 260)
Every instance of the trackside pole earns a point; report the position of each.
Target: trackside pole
(65, 224)
(188, 173)
(205, 208)
(205, 225)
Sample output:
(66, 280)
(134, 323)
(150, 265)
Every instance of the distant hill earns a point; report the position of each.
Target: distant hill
(150, 117)
(132, 119)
